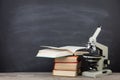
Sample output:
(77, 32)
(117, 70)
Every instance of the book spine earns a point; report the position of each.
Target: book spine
(67, 59)
(67, 65)
(66, 62)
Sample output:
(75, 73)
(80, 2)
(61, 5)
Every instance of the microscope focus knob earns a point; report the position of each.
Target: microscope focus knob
(106, 62)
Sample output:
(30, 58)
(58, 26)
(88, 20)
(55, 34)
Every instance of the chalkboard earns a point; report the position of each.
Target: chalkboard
(28, 24)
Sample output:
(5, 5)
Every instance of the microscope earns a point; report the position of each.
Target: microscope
(96, 62)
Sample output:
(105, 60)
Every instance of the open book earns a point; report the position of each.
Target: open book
(54, 52)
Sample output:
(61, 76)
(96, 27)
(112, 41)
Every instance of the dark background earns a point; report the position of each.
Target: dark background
(25, 25)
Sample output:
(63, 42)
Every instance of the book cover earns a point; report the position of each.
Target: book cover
(64, 73)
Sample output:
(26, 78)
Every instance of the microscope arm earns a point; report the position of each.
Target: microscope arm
(103, 48)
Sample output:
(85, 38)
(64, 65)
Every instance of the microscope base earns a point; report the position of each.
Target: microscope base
(95, 74)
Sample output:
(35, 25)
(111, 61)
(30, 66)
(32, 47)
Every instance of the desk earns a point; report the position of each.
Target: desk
(48, 76)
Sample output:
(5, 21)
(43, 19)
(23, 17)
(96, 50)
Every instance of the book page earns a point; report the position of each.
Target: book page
(69, 48)
(72, 48)
(51, 53)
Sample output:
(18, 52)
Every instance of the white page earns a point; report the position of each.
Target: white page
(51, 53)
(69, 48)
(72, 48)
(51, 47)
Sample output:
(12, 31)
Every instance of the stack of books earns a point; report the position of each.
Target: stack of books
(67, 66)
(66, 59)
